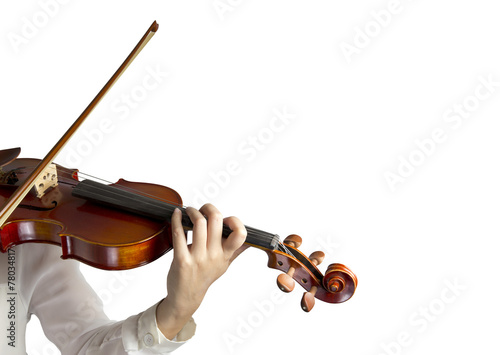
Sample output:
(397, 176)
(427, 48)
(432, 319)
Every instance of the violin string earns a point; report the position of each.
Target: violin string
(127, 188)
(285, 248)
(258, 234)
(169, 203)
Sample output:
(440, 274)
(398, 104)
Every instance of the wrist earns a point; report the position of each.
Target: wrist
(171, 318)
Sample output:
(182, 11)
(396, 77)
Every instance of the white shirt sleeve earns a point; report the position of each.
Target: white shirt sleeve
(72, 315)
(141, 332)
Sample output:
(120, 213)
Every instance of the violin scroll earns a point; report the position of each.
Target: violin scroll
(336, 286)
(340, 280)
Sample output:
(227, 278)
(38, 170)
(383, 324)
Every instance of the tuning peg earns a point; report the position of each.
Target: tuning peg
(317, 257)
(308, 301)
(285, 281)
(293, 240)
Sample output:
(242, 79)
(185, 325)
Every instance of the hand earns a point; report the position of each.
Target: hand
(195, 267)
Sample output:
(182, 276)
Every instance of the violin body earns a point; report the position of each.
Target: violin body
(121, 240)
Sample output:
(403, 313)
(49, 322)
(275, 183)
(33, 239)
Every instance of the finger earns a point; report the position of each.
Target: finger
(237, 237)
(214, 229)
(179, 242)
(199, 244)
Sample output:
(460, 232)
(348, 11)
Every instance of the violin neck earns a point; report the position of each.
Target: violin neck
(141, 205)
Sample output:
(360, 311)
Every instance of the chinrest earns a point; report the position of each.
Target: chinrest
(8, 155)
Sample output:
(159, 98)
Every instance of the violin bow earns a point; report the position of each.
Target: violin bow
(21, 192)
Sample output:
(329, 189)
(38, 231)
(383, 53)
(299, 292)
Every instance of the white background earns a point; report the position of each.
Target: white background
(323, 176)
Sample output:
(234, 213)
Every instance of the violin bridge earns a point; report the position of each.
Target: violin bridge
(47, 180)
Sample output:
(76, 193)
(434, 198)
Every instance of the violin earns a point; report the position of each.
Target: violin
(124, 225)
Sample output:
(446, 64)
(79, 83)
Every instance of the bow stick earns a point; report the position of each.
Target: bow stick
(21, 192)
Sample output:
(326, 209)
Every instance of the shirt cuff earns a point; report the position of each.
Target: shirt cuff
(141, 332)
